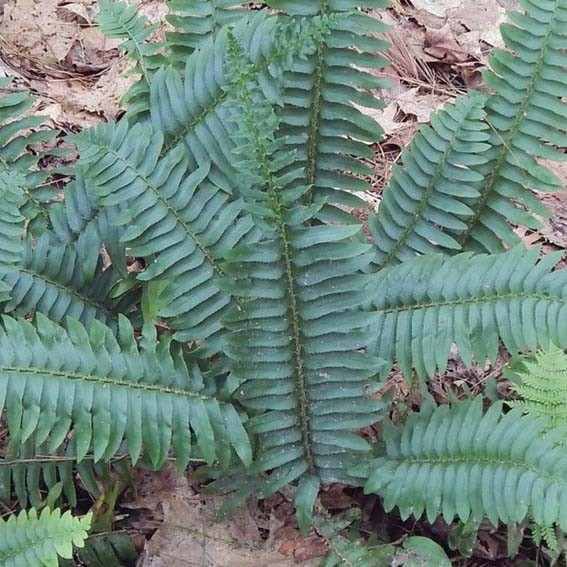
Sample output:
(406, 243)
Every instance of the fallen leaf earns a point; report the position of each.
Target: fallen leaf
(436, 7)
(190, 535)
(483, 16)
(442, 45)
(419, 105)
(34, 28)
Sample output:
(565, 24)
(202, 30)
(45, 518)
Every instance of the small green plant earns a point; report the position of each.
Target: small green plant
(258, 331)
(31, 539)
(541, 384)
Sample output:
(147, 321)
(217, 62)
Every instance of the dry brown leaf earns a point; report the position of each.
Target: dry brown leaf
(419, 105)
(191, 536)
(442, 45)
(85, 102)
(483, 16)
(436, 7)
(554, 230)
(34, 28)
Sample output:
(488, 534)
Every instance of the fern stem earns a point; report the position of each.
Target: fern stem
(100, 380)
(506, 143)
(484, 461)
(472, 300)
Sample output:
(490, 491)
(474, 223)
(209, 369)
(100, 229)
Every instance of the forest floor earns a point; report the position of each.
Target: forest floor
(439, 48)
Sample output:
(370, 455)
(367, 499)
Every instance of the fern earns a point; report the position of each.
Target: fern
(527, 120)
(458, 462)
(78, 222)
(174, 216)
(425, 305)
(28, 539)
(295, 341)
(195, 21)
(193, 113)
(27, 474)
(118, 20)
(541, 383)
(231, 182)
(320, 96)
(18, 133)
(425, 196)
(107, 550)
(52, 379)
(11, 228)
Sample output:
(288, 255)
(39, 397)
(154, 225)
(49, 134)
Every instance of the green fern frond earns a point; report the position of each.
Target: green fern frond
(18, 133)
(28, 539)
(78, 222)
(24, 476)
(55, 380)
(460, 462)
(11, 228)
(195, 21)
(527, 119)
(27, 472)
(542, 533)
(321, 118)
(296, 340)
(425, 195)
(193, 112)
(425, 305)
(177, 220)
(541, 383)
(118, 20)
(51, 280)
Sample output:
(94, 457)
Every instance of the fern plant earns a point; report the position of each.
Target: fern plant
(257, 323)
(540, 383)
(32, 539)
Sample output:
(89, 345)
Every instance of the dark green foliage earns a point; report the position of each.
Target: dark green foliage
(541, 384)
(53, 379)
(527, 122)
(295, 340)
(176, 220)
(426, 304)
(32, 539)
(460, 462)
(108, 550)
(218, 217)
(346, 550)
